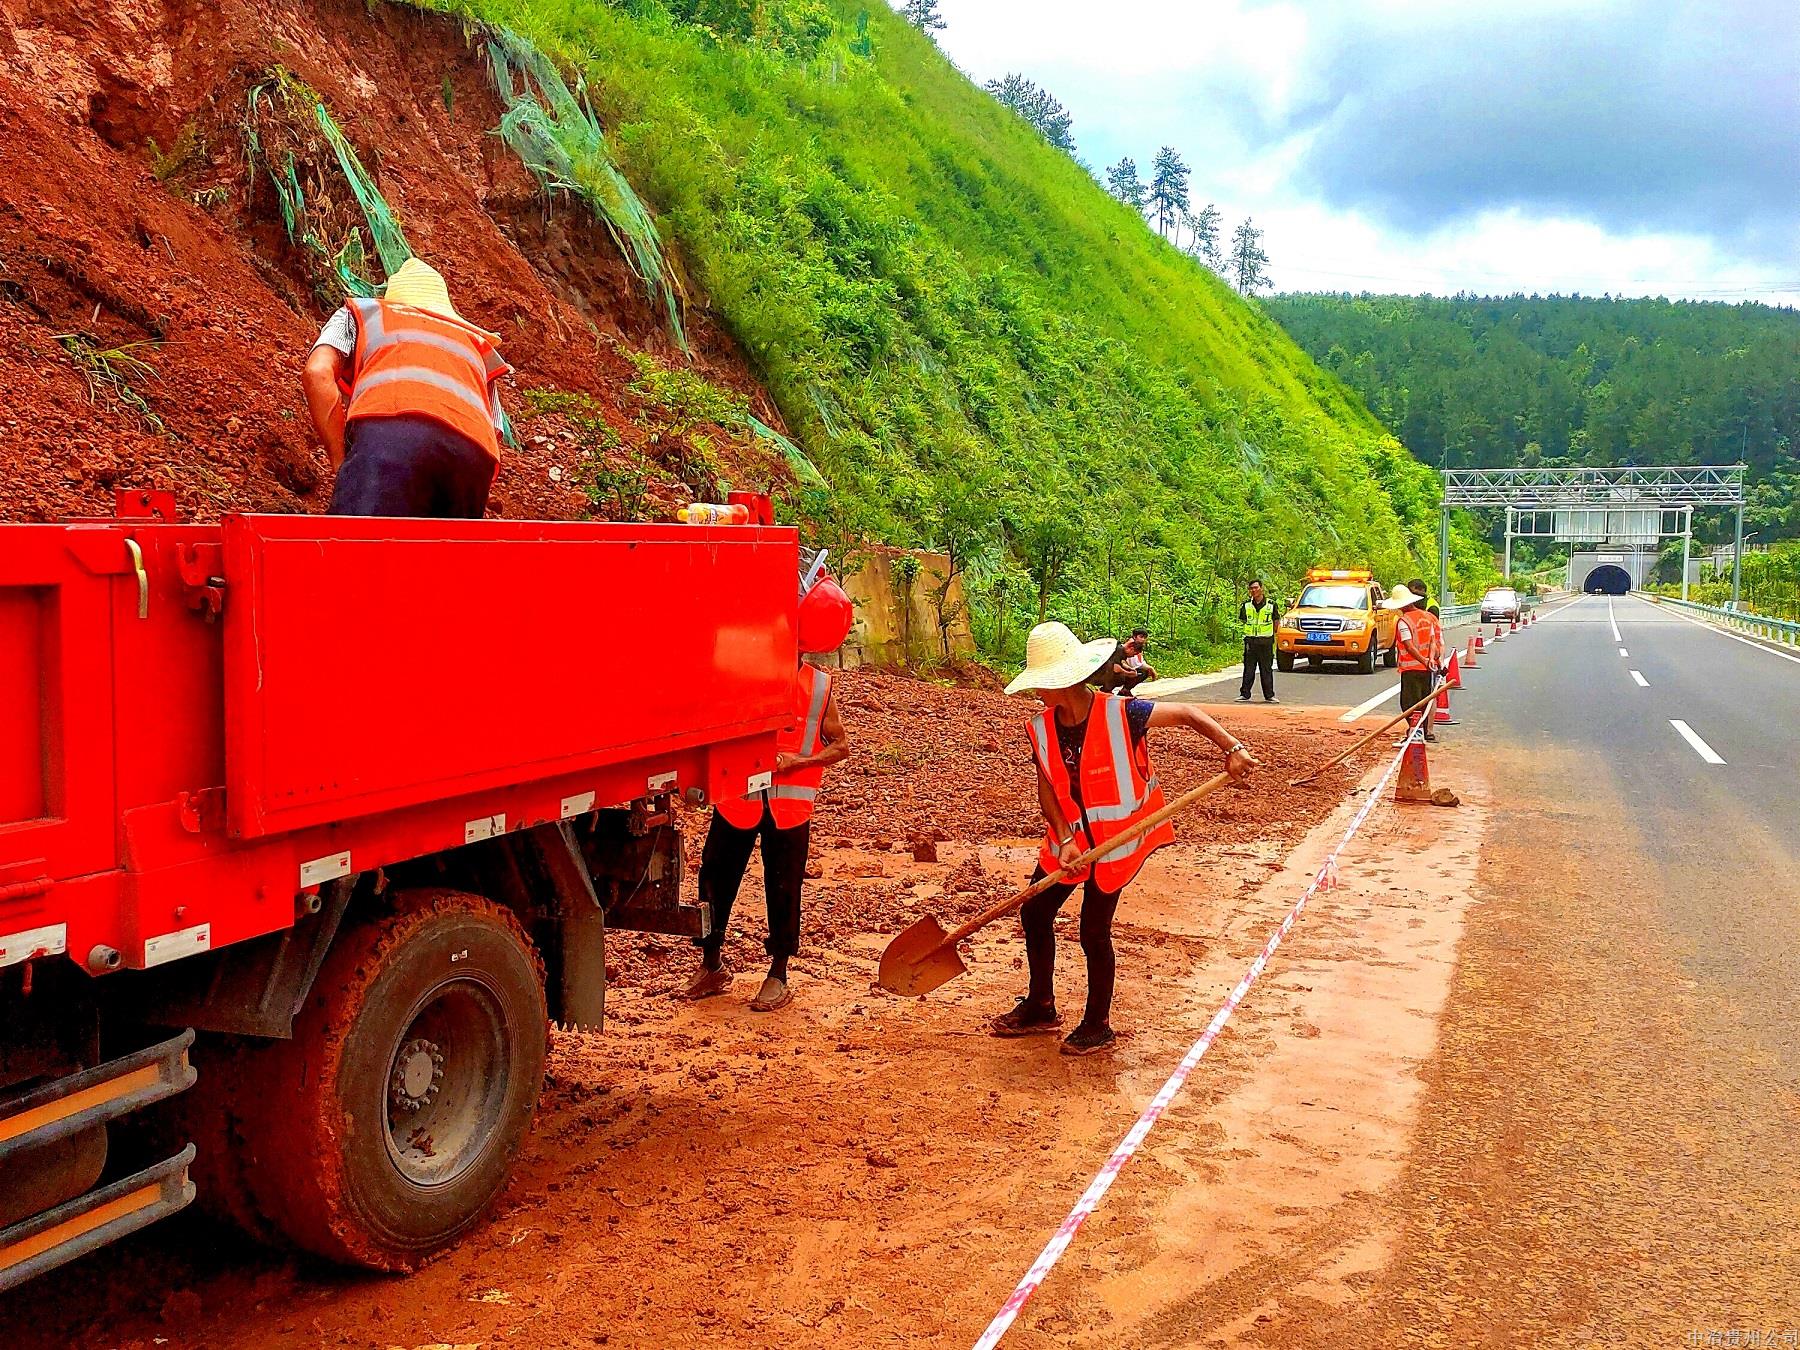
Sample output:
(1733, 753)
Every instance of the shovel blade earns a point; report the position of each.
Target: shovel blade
(918, 961)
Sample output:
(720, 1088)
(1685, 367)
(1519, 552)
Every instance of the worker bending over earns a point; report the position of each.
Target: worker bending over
(780, 816)
(403, 391)
(1094, 781)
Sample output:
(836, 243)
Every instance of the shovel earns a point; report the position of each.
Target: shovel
(1343, 755)
(924, 956)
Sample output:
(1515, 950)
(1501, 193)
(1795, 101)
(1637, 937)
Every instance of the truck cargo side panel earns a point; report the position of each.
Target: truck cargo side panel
(364, 678)
(56, 720)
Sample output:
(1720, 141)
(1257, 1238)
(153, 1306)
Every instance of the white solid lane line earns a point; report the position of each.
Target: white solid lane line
(1371, 705)
(1701, 748)
(1623, 652)
(1714, 628)
(1642, 682)
(1613, 620)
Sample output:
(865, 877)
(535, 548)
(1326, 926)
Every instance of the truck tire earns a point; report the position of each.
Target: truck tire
(388, 1124)
(1284, 662)
(1365, 661)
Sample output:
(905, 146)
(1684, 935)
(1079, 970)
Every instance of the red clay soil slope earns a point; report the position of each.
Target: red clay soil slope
(154, 314)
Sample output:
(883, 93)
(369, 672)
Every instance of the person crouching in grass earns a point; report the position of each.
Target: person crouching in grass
(1094, 781)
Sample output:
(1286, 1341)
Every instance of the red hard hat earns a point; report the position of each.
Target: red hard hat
(825, 617)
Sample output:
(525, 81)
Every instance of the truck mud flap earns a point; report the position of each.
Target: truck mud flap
(64, 1108)
(45, 1241)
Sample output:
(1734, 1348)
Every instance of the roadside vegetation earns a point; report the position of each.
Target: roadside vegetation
(1569, 381)
(981, 350)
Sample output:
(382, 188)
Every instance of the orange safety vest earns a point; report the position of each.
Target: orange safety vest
(1420, 640)
(411, 362)
(790, 795)
(1117, 789)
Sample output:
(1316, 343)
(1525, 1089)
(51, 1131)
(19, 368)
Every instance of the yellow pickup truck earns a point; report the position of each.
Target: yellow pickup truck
(1338, 617)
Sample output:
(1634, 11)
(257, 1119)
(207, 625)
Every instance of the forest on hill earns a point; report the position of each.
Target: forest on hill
(1529, 380)
(982, 351)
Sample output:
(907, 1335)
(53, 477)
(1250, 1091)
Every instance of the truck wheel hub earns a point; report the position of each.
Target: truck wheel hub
(418, 1071)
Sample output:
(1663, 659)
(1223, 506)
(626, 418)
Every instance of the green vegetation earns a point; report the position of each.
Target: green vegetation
(1570, 381)
(109, 372)
(980, 350)
(1771, 582)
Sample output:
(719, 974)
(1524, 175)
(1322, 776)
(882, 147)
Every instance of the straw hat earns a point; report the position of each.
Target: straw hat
(1401, 598)
(1056, 659)
(419, 284)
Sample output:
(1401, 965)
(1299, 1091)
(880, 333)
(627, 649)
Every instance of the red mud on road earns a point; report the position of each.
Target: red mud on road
(855, 1170)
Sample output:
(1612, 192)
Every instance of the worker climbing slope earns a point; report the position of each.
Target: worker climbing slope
(403, 391)
(780, 816)
(1094, 781)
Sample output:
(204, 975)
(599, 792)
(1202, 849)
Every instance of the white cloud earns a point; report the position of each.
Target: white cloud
(1298, 114)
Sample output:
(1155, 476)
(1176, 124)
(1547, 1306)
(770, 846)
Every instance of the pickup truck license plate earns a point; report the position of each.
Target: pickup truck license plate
(1318, 637)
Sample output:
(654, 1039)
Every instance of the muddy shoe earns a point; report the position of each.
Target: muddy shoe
(1027, 1019)
(706, 983)
(1445, 797)
(1088, 1040)
(773, 994)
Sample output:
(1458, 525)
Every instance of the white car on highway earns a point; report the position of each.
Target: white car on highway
(1501, 603)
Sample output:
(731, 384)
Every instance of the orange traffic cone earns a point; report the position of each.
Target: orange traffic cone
(1479, 644)
(1515, 623)
(1440, 711)
(1498, 632)
(1469, 656)
(1414, 781)
(1453, 676)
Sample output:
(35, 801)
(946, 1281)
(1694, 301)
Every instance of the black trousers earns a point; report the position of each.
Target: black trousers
(1038, 918)
(1414, 685)
(411, 466)
(723, 861)
(1259, 654)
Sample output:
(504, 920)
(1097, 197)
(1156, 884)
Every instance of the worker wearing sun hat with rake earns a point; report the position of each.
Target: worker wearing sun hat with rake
(403, 391)
(1094, 781)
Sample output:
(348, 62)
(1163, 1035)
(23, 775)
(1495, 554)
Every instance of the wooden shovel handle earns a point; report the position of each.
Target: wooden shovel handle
(1341, 756)
(1125, 836)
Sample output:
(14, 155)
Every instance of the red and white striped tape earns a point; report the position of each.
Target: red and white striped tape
(1324, 879)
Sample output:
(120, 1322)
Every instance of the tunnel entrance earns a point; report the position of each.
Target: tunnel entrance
(1607, 579)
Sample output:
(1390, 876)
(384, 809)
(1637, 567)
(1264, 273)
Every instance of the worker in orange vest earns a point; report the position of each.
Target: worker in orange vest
(403, 391)
(1094, 781)
(1419, 642)
(780, 815)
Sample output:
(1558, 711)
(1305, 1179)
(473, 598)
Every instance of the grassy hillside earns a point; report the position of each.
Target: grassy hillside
(981, 350)
(1565, 380)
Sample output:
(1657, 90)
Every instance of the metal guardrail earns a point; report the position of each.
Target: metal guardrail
(1782, 631)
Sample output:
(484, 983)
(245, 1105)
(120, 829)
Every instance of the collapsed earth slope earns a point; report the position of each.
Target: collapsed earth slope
(735, 218)
(155, 312)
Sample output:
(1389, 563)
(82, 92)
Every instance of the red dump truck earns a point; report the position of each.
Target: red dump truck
(309, 827)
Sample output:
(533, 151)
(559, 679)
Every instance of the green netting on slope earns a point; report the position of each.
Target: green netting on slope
(554, 131)
(803, 468)
(280, 116)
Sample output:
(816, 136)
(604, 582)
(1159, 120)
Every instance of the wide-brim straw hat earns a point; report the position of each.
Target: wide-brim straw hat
(1056, 659)
(1401, 598)
(417, 283)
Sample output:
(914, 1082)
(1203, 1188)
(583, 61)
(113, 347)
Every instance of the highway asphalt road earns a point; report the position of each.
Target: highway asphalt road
(1691, 736)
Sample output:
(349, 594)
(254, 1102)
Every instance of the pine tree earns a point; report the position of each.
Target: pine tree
(1038, 107)
(1249, 264)
(1123, 182)
(923, 15)
(1203, 227)
(1168, 189)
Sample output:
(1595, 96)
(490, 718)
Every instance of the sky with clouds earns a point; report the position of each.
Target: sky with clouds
(1630, 147)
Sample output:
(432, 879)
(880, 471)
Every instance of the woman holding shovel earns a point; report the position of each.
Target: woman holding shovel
(1094, 781)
